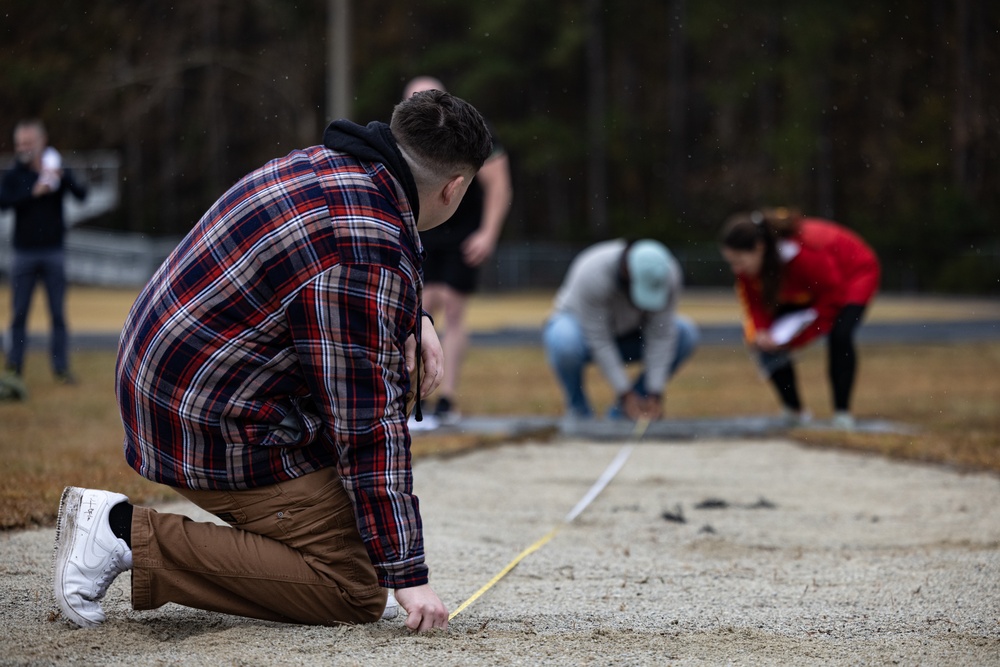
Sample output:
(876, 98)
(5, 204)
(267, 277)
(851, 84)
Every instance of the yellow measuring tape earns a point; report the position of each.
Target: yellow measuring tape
(502, 573)
(640, 429)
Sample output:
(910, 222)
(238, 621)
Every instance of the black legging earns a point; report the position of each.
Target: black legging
(842, 363)
(842, 360)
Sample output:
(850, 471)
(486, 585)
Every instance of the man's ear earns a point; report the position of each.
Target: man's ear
(452, 189)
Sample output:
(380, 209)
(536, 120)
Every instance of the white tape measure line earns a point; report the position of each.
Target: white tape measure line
(602, 481)
(598, 486)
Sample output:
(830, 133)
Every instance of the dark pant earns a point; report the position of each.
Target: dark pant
(28, 267)
(842, 363)
(842, 359)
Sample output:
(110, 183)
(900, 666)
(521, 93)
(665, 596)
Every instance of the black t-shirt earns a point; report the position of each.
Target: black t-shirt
(467, 217)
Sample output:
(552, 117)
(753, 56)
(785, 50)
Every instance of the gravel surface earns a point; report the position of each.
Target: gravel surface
(702, 553)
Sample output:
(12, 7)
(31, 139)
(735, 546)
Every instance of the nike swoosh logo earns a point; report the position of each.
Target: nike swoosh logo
(92, 553)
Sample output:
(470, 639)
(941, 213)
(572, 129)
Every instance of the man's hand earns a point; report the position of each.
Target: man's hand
(638, 407)
(651, 408)
(494, 178)
(424, 610)
(478, 247)
(432, 358)
(630, 405)
(40, 189)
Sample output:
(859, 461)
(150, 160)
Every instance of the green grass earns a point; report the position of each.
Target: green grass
(73, 436)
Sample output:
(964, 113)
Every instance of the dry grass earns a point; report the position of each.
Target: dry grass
(951, 393)
(72, 435)
(94, 309)
(62, 436)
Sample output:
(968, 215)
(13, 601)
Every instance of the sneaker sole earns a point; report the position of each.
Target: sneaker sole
(69, 507)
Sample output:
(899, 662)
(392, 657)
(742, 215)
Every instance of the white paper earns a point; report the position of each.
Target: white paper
(786, 327)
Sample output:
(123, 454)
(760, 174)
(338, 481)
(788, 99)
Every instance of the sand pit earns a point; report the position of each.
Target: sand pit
(770, 553)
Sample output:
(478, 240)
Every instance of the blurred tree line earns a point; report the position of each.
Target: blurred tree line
(654, 118)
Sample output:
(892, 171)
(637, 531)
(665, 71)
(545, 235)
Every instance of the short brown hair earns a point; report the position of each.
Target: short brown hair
(442, 134)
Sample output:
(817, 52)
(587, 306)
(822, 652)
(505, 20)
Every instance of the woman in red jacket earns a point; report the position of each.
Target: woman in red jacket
(799, 278)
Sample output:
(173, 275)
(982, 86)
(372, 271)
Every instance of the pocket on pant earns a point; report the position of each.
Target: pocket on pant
(237, 508)
(327, 511)
(322, 526)
(241, 508)
(257, 503)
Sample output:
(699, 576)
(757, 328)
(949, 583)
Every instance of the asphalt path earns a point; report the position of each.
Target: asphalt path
(963, 331)
(955, 331)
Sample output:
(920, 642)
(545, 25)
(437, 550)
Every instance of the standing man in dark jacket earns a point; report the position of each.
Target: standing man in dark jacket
(36, 192)
(264, 373)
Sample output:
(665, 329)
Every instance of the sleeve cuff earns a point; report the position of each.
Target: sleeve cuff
(417, 577)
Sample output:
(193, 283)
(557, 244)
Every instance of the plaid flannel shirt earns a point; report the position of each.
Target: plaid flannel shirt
(271, 344)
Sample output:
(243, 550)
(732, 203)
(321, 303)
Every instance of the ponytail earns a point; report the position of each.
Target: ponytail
(743, 231)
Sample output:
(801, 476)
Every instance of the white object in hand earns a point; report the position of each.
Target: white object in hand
(787, 327)
(51, 166)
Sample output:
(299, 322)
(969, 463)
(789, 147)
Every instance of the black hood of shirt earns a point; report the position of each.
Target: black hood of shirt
(373, 143)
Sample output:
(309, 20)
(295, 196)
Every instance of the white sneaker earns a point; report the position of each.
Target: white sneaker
(794, 419)
(429, 423)
(843, 421)
(391, 608)
(88, 556)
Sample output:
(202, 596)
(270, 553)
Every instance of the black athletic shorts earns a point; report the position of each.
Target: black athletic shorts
(444, 263)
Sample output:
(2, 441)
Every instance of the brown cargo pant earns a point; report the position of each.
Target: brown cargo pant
(291, 553)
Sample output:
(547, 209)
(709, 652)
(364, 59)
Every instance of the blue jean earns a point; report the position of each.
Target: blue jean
(27, 268)
(567, 353)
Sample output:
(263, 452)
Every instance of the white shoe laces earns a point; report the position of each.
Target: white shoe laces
(118, 564)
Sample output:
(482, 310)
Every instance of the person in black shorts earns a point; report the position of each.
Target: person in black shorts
(455, 251)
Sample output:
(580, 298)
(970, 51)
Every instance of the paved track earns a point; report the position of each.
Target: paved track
(959, 331)
(616, 431)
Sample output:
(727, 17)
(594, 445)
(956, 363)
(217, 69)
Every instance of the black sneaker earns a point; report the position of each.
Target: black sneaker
(446, 412)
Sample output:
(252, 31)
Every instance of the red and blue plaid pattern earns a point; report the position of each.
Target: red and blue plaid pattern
(271, 344)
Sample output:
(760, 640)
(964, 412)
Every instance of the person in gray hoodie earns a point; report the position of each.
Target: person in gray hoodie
(618, 305)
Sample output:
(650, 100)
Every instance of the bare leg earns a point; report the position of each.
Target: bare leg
(434, 301)
(455, 341)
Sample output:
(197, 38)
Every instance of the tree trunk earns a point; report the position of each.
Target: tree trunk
(677, 107)
(338, 44)
(968, 115)
(597, 143)
(212, 99)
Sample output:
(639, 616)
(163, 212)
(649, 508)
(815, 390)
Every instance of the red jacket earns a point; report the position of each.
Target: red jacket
(824, 267)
